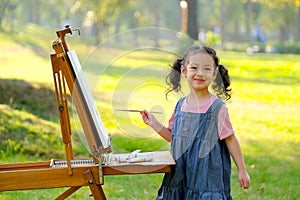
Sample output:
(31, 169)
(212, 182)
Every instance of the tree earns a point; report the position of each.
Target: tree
(289, 16)
(192, 19)
(6, 6)
(234, 20)
(105, 12)
(37, 12)
(297, 32)
(222, 18)
(248, 10)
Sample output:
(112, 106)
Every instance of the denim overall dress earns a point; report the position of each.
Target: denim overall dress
(203, 165)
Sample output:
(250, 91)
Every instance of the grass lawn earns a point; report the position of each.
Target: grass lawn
(264, 110)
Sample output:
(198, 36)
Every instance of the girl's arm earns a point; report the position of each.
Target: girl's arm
(150, 120)
(236, 153)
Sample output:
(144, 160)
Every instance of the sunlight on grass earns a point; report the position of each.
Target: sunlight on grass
(264, 110)
(265, 92)
(22, 63)
(272, 68)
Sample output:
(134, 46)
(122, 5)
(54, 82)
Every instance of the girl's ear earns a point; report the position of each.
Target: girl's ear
(183, 71)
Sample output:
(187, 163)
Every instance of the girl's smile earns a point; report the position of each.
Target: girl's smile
(200, 80)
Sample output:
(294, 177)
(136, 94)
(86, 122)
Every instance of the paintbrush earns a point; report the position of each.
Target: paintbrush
(132, 110)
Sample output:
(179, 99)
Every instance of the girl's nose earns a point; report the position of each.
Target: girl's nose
(200, 72)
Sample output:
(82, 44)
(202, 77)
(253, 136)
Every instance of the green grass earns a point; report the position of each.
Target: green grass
(264, 110)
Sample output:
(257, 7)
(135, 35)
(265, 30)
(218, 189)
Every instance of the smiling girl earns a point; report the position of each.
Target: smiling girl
(200, 131)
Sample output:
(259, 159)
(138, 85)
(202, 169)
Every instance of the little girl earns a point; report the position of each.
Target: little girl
(200, 131)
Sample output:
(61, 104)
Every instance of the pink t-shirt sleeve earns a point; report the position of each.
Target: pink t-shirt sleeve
(224, 124)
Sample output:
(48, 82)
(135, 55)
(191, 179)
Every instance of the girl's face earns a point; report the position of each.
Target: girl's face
(200, 71)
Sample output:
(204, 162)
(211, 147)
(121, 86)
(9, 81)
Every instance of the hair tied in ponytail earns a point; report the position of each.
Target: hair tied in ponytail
(224, 73)
(223, 83)
(222, 68)
(177, 64)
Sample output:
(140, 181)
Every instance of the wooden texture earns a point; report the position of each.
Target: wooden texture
(95, 188)
(68, 192)
(38, 175)
(38, 178)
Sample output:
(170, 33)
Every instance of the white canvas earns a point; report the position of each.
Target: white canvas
(101, 131)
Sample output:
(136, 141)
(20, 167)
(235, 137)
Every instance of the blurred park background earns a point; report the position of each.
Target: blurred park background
(248, 22)
(258, 40)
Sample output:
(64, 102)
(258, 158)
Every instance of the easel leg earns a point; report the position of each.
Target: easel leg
(96, 189)
(97, 192)
(67, 193)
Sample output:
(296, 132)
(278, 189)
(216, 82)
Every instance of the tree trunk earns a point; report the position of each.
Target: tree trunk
(97, 33)
(117, 29)
(222, 18)
(1, 19)
(284, 34)
(157, 22)
(297, 37)
(248, 20)
(192, 19)
(37, 12)
(237, 31)
(10, 16)
(3, 7)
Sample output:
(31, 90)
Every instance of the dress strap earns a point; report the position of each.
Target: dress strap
(212, 136)
(216, 106)
(179, 104)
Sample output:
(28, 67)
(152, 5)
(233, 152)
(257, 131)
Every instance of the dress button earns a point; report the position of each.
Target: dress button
(185, 129)
(188, 115)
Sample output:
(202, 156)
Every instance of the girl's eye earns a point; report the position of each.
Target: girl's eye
(207, 68)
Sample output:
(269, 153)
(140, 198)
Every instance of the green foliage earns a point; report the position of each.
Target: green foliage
(212, 39)
(292, 48)
(113, 16)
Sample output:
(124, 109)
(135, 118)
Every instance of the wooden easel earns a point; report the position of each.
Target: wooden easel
(41, 175)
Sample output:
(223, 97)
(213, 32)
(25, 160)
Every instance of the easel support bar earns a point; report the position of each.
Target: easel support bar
(68, 193)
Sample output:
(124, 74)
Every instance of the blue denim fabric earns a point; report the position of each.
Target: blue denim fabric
(203, 165)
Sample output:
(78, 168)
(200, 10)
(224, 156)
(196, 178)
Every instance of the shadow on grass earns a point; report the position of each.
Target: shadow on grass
(36, 98)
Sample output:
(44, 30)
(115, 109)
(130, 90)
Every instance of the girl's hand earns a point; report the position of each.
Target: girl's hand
(150, 120)
(147, 117)
(244, 179)
(236, 153)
